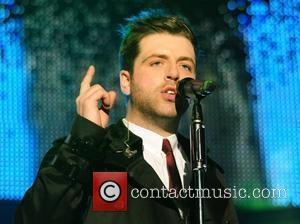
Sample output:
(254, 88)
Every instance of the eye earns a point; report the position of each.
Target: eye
(156, 63)
(187, 67)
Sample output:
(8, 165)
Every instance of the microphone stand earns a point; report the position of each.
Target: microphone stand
(197, 90)
(198, 158)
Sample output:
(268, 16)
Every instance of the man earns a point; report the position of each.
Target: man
(156, 52)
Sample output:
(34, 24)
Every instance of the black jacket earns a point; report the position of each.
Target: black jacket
(61, 192)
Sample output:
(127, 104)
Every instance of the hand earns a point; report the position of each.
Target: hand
(90, 95)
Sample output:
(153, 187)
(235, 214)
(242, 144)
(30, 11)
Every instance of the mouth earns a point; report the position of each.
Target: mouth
(169, 93)
(170, 90)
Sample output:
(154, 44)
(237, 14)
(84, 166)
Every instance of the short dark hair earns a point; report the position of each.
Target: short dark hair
(146, 23)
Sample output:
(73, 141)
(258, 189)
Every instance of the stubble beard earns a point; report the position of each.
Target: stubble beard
(152, 108)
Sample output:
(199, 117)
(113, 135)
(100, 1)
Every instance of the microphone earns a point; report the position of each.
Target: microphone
(195, 89)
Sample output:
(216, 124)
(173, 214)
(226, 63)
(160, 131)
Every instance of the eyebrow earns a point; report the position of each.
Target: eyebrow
(183, 58)
(163, 56)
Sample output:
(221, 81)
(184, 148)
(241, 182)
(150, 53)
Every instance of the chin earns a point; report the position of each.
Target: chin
(170, 114)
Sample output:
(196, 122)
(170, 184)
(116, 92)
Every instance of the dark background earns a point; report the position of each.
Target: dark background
(62, 38)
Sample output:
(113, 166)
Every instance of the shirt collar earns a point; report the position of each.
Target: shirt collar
(150, 139)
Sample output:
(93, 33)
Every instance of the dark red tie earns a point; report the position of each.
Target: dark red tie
(174, 178)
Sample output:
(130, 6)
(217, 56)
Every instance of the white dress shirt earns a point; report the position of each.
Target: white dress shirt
(156, 158)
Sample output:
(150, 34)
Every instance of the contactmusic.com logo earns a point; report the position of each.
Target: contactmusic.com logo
(109, 191)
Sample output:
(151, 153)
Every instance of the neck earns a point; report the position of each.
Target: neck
(163, 126)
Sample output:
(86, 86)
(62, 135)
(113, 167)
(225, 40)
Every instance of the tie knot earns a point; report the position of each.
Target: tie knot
(166, 146)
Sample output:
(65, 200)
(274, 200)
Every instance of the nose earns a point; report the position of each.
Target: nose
(172, 73)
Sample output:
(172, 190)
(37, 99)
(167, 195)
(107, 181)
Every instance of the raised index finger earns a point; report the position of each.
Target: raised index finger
(87, 79)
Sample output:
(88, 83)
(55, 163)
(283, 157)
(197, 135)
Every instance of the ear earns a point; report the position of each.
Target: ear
(125, 82)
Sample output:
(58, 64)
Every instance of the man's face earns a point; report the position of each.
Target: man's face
(164, 59)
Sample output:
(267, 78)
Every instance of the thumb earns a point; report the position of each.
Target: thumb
(107, 104)
(109, 101)
(112, 98)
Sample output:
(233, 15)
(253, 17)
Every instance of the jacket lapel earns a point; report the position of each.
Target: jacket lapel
(140, 173)
(126, 153)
